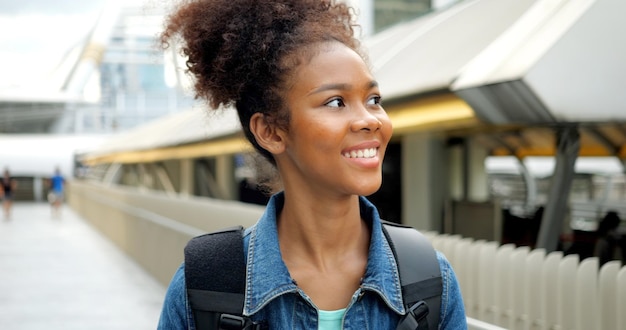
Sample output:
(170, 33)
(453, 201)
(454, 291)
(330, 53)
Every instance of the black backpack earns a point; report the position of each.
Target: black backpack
(215, 271)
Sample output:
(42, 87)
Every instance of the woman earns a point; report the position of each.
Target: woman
(308, 102)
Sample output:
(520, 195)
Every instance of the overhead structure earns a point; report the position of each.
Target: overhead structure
(106, 82)
(188, 134)
(562, 61)
(460, 70)
(22, 112)
(425, 55)
(561, 64)
(38, 107)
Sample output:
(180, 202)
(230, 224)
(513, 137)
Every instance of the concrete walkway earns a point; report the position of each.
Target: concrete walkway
(59, 273)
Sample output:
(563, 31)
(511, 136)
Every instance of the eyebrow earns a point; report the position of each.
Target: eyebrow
(328, 87)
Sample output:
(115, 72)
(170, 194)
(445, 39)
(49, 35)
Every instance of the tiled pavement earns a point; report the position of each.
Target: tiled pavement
(59, 273)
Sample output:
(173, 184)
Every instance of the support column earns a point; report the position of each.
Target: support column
(186, 177)
(455, 172)
(424, 174)
(568, 146)
(365, 16)
(38, 189)
(113, 174)
(531, 186)
(225, 176)
(478, 183)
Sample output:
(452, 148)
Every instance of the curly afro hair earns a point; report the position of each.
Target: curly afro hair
(242, 52)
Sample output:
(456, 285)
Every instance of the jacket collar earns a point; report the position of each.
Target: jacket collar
(267, 276)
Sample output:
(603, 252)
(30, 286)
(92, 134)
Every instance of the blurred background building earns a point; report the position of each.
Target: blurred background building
(107, 74)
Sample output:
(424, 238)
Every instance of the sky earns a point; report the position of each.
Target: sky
(35, 35)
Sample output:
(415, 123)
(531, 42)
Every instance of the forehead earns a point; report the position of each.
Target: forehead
(328, 60)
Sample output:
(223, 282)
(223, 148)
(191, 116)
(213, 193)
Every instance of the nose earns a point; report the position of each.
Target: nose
(365, 120)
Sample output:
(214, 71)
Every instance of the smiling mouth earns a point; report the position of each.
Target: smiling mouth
(362, 153)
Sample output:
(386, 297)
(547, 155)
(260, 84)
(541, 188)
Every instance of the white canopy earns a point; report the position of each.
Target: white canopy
(563, 61)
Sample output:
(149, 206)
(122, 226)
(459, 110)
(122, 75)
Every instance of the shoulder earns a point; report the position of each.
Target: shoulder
(174, 312)
(444, 264)
(448, 276)
(452, 313)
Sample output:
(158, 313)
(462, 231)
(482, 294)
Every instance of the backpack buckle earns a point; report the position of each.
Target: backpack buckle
(231, 322)
(234, 322)
(419, 310)
(415, 318)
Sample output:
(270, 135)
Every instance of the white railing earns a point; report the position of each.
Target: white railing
(519, 288)
(503, 286)
(474, 324)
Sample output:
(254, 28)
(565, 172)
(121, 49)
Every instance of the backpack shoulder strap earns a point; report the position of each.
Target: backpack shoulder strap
(215, 272)
(420, 276)
(215, 278)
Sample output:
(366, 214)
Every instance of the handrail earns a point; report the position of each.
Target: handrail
(474, 324)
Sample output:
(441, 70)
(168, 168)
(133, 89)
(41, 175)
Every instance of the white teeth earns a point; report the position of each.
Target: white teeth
(364, 153)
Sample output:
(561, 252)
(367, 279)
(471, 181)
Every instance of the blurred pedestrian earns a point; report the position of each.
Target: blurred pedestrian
(56, 194)
(608, 237)
(9, 185)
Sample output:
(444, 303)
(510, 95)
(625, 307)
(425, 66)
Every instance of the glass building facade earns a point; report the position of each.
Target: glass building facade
(390, 12)
(135, 87)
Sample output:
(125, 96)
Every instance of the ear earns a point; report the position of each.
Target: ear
(267, 136)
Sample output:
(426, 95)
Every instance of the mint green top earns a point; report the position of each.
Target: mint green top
(330, 320)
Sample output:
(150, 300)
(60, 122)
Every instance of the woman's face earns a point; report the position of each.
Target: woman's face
(338, 130)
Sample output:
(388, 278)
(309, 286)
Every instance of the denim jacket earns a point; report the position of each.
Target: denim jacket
(272, 295)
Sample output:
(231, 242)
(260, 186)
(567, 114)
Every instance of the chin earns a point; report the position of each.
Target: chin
(368, 190)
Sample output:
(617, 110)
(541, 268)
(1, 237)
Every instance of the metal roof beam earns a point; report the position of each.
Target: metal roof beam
(604, 140)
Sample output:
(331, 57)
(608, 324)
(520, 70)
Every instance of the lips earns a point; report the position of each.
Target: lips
(361, 153)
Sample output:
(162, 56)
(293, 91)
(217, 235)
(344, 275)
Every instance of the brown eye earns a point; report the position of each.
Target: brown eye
(374, 100)
(335, 103)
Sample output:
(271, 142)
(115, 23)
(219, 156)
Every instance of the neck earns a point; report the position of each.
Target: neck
(321, 232)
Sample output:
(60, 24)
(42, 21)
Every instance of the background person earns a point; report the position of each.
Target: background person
(9, 185)
(307, 101)
(608, 238)
(57, 190)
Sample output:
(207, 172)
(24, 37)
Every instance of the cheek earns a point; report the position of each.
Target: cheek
(324, 136)
(309, 135)
(319, 130)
